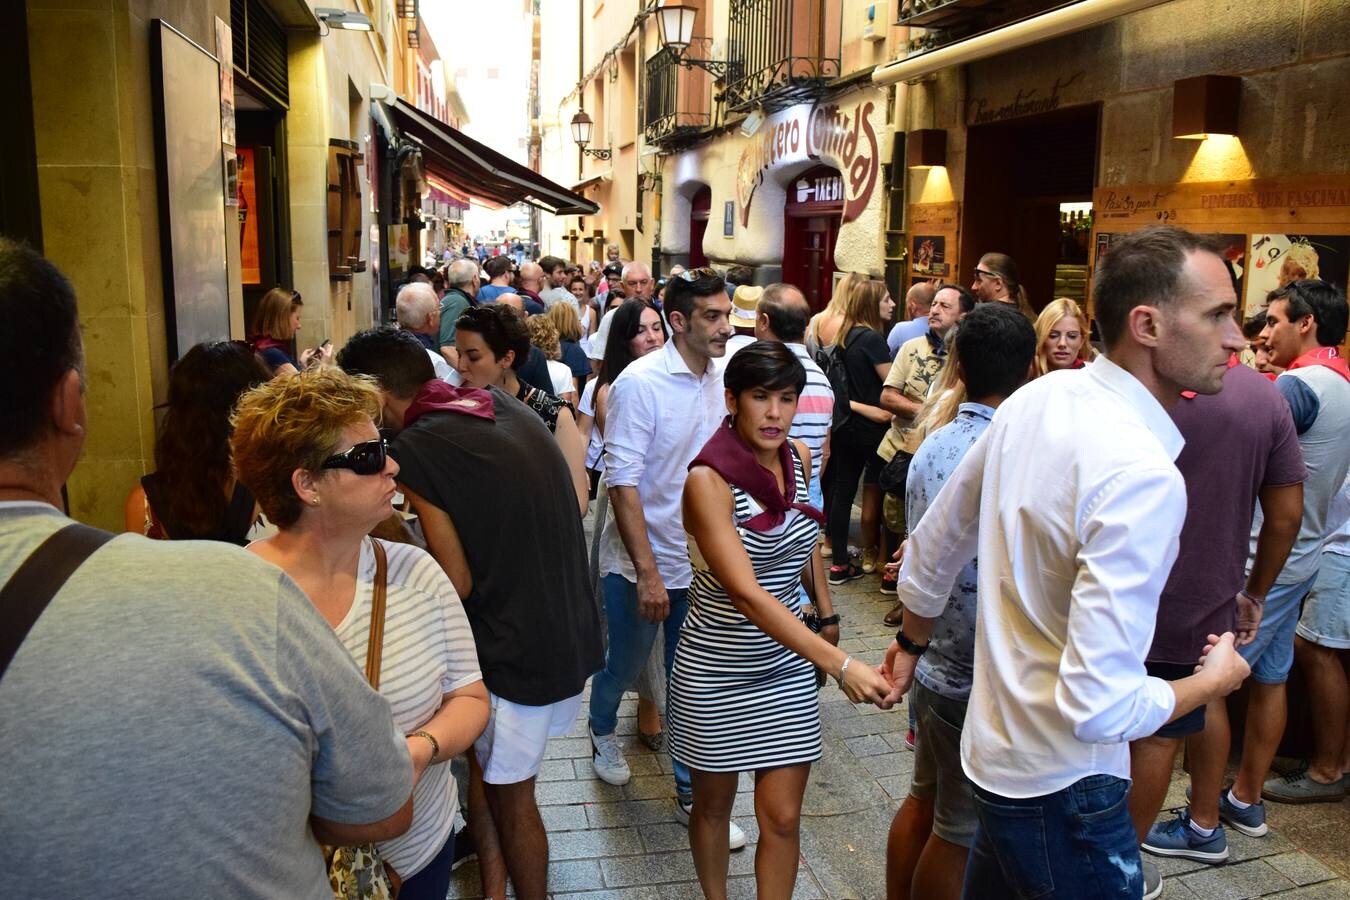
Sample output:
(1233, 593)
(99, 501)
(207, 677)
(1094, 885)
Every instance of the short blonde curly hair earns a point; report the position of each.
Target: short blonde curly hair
(544, 335)
(295, 423)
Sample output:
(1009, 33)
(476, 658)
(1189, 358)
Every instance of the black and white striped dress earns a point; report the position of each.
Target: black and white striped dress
(739, 700)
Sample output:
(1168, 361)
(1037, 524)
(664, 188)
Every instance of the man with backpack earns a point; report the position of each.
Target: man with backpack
(916, 365)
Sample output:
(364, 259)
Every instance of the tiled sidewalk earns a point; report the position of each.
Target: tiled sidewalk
(612, 843)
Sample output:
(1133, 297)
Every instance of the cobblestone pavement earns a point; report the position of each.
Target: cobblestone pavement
(623, 843)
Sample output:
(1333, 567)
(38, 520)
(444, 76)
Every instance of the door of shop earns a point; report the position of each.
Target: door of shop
(812, 216)
(1018, 175)
(700, 207)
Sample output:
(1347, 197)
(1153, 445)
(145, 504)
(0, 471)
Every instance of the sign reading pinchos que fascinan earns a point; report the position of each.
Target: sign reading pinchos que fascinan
(840, 135)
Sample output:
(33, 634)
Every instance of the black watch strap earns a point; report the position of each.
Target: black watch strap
(909, 646)
(829, 620)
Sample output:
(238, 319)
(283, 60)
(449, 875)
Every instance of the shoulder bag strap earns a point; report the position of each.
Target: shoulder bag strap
(31, 588)
(375, 647)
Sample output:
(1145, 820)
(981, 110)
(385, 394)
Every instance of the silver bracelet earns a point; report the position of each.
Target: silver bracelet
(1259, 601)
(839, 679)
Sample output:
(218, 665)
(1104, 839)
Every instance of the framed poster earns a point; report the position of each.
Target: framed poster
(934, 229)
(186, 83)
(929, 256)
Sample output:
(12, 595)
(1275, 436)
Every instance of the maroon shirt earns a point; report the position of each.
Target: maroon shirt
(1238, 441)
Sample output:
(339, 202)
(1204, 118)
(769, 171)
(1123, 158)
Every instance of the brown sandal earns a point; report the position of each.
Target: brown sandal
(892, 618)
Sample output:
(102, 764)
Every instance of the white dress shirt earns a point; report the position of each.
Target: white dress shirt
(660, 415)
(1073, 504)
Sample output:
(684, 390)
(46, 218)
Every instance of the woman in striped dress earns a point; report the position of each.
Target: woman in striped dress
(743, 690)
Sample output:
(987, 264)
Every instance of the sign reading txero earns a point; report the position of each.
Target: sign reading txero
(841, 136)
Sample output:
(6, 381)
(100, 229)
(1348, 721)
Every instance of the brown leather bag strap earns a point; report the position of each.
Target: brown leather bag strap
(33, 585)
(375, 648)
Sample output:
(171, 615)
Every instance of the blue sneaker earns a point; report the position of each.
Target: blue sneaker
(1250, 821)
(1178, 838)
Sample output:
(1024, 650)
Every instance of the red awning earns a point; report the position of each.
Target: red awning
(480, 172)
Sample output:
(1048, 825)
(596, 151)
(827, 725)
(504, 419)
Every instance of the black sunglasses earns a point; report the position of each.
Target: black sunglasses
(365, 458)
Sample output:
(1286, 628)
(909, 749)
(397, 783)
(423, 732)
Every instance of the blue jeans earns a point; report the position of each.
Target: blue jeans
(1076, 843)
(630, 643)
(432, 882)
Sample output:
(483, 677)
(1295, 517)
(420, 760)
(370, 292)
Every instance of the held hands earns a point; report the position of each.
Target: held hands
(653, 599)
(861, 683)
(898, 671)
(1221, 660)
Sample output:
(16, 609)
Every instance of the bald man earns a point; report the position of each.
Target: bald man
(918, 302)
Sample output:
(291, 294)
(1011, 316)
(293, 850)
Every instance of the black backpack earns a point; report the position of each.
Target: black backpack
(830, 358)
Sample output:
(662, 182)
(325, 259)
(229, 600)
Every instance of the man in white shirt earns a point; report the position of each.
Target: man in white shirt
(1073, 503)
(662, 409)
(419, 314)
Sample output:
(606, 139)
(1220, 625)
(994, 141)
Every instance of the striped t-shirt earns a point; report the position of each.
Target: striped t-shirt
(815, 409)
(428, 652)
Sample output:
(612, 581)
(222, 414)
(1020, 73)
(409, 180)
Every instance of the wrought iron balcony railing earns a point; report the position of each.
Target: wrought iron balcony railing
(679, 98)
(781, 51)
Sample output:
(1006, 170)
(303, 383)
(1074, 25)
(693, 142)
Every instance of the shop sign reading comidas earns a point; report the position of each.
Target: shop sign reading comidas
(839, 135)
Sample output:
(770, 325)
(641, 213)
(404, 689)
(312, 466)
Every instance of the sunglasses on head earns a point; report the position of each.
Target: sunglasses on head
(986, 274)
(365, 458)
(692, 275)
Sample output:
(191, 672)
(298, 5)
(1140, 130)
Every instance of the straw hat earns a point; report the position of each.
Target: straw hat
(743, 305)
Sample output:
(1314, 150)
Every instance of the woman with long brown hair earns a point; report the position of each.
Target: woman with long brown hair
(193, 494)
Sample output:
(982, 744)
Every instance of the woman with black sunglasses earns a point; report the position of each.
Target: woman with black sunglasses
(308, 449)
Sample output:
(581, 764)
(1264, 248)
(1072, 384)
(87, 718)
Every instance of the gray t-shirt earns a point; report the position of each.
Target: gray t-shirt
(171, 722)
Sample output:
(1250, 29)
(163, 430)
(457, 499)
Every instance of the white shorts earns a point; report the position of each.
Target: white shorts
(511, 748)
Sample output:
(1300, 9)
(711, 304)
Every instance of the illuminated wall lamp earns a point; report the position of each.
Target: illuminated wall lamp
(340, 18)
(926, 148)
(1205, 105)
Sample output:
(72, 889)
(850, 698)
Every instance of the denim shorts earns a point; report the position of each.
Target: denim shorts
(1271, 655)
(1191, 723)
(938, 777)
(1326, 612)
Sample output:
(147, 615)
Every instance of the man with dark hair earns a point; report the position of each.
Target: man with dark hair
(933, 829)
(499, 270)
(662, 409)
(138, 653)
(782, 315)
(1305, 324)
(555, 291)
(738, 276)
(1240, 447)
(490, 488)
(1073, 503)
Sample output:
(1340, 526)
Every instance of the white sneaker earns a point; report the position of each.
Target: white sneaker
(607, 758)
(735, 836)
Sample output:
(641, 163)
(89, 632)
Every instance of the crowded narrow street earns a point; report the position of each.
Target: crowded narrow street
(610, 843)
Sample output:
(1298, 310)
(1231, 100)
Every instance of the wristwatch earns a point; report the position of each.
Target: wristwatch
(909, 646)
(829, 620)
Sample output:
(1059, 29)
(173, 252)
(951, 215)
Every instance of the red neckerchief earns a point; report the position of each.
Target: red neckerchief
(1322, 356)
(263, 342)
(728, 456)
(437, 396)
(1233, 362)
